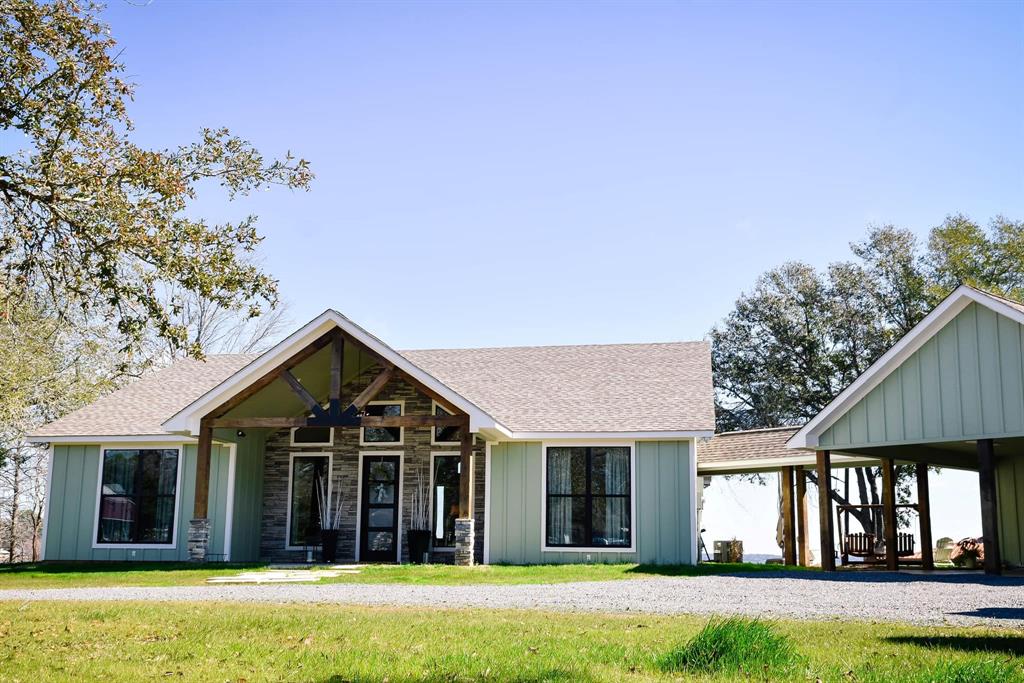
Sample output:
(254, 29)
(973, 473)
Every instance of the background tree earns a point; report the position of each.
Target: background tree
(103, 269)
(801, 336)
(96, 221)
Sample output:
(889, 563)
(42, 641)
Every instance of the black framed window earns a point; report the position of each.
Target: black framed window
(446, 499)
(312, 436)
(588, 497)
(449, 434)
(386, 435)
(137, 496)
(304, 518)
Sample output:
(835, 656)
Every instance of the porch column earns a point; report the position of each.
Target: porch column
(892, 559)
(989, 511)
(803, 547)
(464, 525)
(828, 546)
(199, 525)
(788, 531)
(924, 516)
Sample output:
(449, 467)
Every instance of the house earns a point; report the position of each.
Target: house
(513, 455)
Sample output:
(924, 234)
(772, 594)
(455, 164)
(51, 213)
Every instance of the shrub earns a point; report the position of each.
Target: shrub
(734, 645)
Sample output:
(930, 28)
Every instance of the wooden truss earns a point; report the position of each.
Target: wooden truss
(334, 415)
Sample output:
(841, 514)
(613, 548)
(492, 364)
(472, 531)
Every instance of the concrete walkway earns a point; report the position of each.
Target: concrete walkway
(958, 599)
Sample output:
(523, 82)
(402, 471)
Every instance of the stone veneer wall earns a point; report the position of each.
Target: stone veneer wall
(345, 472)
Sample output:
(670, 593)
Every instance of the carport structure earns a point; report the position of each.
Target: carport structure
(949, 393)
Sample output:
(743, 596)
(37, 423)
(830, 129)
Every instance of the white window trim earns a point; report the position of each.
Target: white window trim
(544, 498)
(291, 439)
(434, 454)
(46, 506)
(384, 444)
(291, 469)
(177, 496)
(434, 405)
(359, 499)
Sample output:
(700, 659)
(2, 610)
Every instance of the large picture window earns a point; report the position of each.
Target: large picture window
(137, 496)
(446, 472)
(588, 497)
(307, 473)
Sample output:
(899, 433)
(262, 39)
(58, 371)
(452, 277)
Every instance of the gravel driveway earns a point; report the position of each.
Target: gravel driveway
(952, 599)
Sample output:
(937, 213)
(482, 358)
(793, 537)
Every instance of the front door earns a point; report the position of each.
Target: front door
(378, 533)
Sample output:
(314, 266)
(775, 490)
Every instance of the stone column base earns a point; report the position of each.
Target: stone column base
(198, 539)
(464, 536)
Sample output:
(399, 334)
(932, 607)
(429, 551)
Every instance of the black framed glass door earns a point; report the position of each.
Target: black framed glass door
(378, 533)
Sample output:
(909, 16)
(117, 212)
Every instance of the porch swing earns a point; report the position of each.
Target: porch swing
(869, 547)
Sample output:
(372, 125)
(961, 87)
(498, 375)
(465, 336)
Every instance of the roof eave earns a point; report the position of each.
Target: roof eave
(186, 421)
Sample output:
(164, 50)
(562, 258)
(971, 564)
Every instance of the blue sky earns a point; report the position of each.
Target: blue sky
(524, 173)
(541, 173)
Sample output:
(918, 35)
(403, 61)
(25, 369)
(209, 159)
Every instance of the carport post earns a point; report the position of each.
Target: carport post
(892, 558)
(924, 516)
(989, 512)
(803, 547)
(788, 530)
(828, 546)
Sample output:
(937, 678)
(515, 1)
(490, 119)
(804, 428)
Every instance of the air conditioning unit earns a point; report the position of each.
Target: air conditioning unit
(729, 551)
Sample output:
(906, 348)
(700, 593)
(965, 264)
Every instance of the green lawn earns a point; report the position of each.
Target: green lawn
(67, 575)
(232, 642)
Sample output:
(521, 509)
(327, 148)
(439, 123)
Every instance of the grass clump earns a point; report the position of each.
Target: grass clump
(734, 645)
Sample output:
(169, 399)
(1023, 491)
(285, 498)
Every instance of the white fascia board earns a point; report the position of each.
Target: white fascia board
(599, 436)
(94, 439)
(913, 340)
(771, 464)
(186, 421)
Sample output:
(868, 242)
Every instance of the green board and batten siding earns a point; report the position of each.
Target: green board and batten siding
(665, 491)
(965, 383)
(71, 524)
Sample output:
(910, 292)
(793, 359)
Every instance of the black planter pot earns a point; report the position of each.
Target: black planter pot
(329, 541)
(419, 545)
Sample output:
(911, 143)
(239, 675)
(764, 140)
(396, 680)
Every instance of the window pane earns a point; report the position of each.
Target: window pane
(609, 471)
(610, 521)
(159, 472)
(312, 435)
(156, 515)
(383, 434)
(382, 517)
(118, 515)
(567, 470)
(449, 434)
(307, 472)
(567, 520)
(119, 472)
(382, 493)
(446, 499)
(380, 541)
(382, 471)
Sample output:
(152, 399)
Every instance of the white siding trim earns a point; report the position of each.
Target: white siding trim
(544, 499)
(177, 497)
(229, 505)
(693, 501)
(487, 501)
(46, 505)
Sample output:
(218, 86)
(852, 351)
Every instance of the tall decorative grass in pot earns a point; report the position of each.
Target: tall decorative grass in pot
(330, 523)
(419, 519)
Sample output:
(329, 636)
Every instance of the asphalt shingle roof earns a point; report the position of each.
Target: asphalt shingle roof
(138, 408)
(751, 444)
(596, 388)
